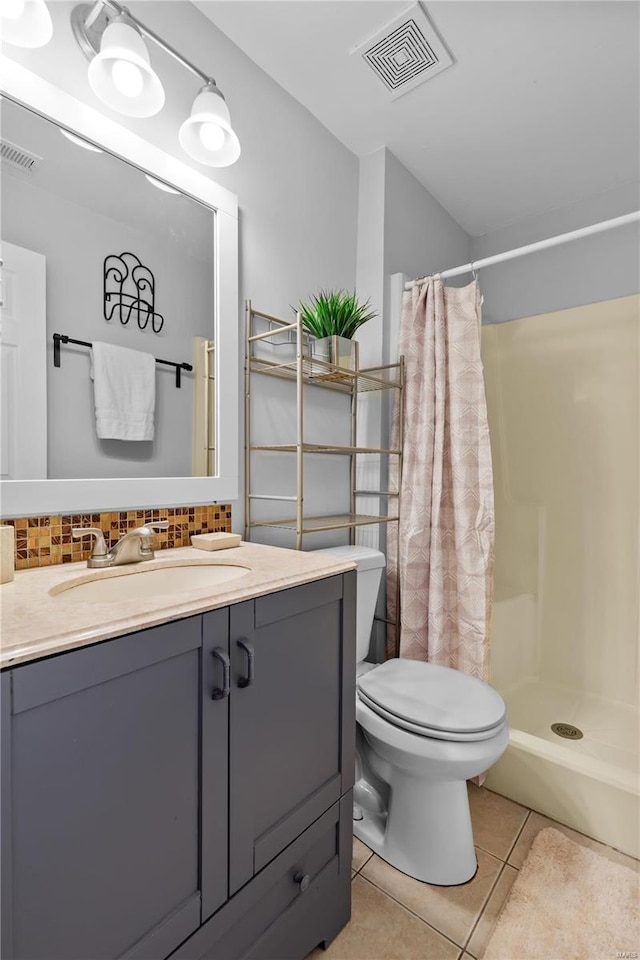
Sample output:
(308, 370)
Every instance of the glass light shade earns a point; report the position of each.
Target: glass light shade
(212, 135)
(79, 141)
(127, 78)
(28, 24)
(160, 185)
(13, 9)
(198, 134)
(121, 74)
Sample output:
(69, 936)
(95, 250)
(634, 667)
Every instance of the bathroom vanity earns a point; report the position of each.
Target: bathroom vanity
(176, 777)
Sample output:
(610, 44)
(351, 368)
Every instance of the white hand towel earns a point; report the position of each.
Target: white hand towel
(124, 387)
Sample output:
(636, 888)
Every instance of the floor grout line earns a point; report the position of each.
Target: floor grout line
(410, 911)
(519, 834)
(484, 905)
(580, 833)
(503, 862)
(362, 865)
(417, 917)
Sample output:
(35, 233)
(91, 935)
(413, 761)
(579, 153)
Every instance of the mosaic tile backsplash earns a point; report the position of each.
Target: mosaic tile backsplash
(43, 541)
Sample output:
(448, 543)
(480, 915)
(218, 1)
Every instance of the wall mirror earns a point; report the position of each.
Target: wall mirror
(120, 244)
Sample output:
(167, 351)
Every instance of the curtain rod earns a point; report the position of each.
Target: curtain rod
(532, 247)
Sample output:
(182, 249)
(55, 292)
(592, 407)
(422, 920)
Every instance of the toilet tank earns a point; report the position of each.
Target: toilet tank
(370, 564)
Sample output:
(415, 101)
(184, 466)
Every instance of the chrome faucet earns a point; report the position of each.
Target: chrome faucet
(134, 546)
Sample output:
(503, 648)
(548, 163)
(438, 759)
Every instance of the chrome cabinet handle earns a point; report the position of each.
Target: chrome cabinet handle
(303, 879)
(220, 693)
(248, 649)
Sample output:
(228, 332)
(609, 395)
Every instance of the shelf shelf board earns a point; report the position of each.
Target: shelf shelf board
(321, 448)
(320, 524)
(319, 373)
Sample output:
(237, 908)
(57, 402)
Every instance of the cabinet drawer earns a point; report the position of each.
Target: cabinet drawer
(296, 882)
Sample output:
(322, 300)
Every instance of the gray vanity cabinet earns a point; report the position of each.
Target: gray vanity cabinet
(184, 790)
(100, 771)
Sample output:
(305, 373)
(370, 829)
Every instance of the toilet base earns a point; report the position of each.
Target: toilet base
(426, 833)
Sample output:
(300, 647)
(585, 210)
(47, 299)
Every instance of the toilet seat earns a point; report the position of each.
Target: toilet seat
(432, 701)
(433, 733)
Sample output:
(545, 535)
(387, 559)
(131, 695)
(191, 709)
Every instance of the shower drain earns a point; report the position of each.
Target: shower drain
(567, 730)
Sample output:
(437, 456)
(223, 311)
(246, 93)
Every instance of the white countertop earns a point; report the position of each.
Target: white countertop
(36, 624)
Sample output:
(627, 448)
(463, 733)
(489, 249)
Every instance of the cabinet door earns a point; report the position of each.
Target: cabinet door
(291, 716)
(103, 793)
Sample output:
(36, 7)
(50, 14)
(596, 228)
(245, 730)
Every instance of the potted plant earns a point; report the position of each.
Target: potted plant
(332, 318)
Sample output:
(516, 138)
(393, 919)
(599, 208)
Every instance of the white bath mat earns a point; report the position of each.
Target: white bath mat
(568, 903)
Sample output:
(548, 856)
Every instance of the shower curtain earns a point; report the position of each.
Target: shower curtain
(443, 547)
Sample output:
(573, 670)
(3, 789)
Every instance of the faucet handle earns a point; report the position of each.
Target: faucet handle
(145, 533)
(99, 547)
(147, 529)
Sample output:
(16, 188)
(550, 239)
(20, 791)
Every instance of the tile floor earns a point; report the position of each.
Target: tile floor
(397, 918)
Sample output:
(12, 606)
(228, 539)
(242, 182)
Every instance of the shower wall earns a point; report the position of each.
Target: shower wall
(563, 401)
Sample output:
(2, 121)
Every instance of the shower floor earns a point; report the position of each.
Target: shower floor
(610, 728)
(591, 784)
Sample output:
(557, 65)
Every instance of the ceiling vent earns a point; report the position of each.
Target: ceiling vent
(18, 157)
(405, 52)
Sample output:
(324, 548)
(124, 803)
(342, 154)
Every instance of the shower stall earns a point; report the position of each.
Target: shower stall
(563, 405)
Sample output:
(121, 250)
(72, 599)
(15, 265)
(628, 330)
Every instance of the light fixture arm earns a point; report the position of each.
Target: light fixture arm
(94, 13)
(85, 15)
(110, 36)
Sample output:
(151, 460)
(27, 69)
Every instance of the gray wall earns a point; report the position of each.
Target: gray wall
(420, 236)
(75, 240)
(401, 228)
(370, 264)
(596, 268)
(297, 186)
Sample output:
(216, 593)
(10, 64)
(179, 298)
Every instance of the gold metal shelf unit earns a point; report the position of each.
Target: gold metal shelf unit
(304, 369)
(320, 373)
(320, 448)
(322, 524)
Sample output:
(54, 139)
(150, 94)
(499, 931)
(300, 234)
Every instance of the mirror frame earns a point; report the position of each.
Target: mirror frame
(20, 498)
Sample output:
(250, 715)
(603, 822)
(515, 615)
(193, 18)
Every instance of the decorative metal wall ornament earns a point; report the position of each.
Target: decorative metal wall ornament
(129, 288)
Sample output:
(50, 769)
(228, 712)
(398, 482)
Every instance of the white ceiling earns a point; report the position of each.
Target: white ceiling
(539, 110)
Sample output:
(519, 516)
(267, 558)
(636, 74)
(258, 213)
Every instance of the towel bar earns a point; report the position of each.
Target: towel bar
(59, 338)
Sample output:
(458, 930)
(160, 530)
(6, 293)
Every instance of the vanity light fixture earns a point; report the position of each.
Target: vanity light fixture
(207, 135)
(26, 23)
(160, 185)
(120, 74)
(79, 141)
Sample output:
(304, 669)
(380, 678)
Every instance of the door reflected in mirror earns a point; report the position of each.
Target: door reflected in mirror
(96, 251)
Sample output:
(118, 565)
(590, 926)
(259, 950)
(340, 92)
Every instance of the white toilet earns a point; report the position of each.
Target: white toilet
(423, 731)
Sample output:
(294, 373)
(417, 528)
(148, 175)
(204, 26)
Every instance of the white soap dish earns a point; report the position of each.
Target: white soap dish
(215, 541)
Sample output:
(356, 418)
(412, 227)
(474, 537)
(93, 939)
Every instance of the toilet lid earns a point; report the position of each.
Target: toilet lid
(432, 700)
(449, 735)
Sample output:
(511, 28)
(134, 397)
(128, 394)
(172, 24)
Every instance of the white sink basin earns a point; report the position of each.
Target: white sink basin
(135, 582)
